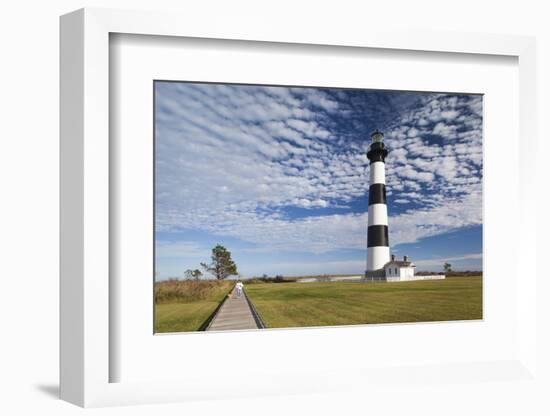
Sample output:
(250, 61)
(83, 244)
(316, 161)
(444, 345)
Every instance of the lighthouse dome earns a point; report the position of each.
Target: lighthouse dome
(377, 136)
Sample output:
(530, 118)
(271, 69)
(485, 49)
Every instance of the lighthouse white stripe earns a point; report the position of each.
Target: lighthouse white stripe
(377, 257)
(378, 214)
(377, 173)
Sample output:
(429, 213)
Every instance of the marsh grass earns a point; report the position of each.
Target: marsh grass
(184, 305)
(170, 291)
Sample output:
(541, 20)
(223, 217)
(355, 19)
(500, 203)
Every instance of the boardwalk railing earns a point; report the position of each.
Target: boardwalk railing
(255, 313)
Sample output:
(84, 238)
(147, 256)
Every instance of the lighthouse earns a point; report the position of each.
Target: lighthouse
(378, 247)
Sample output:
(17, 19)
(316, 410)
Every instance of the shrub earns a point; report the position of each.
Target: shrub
(276, 279)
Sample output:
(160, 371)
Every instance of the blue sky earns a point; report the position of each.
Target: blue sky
(279, 176)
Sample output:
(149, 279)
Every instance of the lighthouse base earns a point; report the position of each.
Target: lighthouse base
(375, 275)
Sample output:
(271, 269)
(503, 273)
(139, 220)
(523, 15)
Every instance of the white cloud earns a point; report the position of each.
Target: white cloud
(411, 173)
(306, 203)
(413, 132)
(301, 268)
(322, 234)
(178, 249)
(442, 260)
(450, 115)
(317, 98)
(445, 130)
(230, 160)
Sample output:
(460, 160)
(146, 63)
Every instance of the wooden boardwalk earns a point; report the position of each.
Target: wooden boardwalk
(234, 314)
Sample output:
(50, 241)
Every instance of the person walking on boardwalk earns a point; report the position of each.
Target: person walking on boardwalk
(239, 288)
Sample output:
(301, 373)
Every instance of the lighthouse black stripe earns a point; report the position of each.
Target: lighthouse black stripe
(378, 236)
(377, 152)
(376, 157)
(377, 194)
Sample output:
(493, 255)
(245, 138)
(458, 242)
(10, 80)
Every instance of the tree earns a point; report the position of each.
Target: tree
(447, 267)
(193, 274)
(222, 265)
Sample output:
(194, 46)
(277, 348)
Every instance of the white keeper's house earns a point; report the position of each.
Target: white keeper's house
(399, 270)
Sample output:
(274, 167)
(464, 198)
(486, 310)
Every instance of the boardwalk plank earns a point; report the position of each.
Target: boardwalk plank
(234, 314)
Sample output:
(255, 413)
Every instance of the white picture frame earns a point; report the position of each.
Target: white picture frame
(85, 205)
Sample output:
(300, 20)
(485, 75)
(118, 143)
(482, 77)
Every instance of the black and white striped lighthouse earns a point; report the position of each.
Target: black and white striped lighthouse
(378, 247)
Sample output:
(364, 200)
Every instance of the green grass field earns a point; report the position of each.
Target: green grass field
(185, 306)
(283, 305)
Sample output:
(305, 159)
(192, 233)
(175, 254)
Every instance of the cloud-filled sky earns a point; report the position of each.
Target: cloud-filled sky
(279, 176)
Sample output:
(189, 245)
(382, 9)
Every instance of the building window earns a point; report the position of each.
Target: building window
(396, 270)
(389, 271)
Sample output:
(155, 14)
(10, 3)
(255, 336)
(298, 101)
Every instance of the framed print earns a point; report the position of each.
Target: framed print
(285, 191)
(330, 201)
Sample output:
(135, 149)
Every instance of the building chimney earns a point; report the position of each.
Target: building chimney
(405, 258)
(393, 257)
